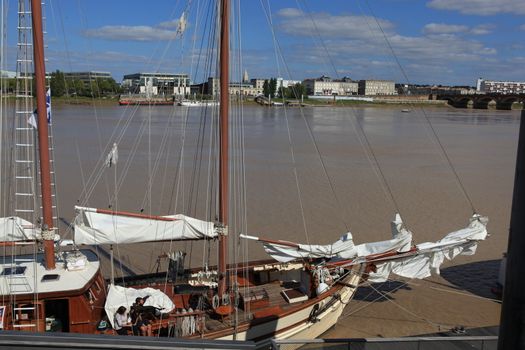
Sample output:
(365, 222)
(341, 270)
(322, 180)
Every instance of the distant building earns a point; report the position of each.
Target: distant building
(7, 74)
(377, 87)
(286, 83)
(501, 87)
(157, 83)
(478, 84)
(243, 89)
(213, 87)
(415, 89)
(258, 84)
(87, 77)
(326, 86)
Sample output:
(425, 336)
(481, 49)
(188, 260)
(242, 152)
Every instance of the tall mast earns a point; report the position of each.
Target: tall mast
(43, 138)
(223, 150)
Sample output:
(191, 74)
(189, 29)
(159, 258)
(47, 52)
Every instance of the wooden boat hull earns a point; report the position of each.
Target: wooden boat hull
(305, 323)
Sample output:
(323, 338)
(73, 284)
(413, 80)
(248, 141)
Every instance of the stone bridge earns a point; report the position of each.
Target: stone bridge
(484, 101)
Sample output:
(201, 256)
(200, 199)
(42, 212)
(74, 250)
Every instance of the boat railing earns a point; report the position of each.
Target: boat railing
(419, 343)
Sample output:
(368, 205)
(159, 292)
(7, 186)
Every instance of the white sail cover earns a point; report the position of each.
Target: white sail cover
(344, 247)
(120, 296)
(420, 262)
(430, 255)
(92, 227)
(16, 229)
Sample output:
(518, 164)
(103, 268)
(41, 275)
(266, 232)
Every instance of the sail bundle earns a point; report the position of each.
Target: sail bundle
(427, 257)
(343, 248)
(96, 226)
(397, 255)
(16, 229)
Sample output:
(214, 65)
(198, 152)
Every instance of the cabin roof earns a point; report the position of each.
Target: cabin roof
(15, 280)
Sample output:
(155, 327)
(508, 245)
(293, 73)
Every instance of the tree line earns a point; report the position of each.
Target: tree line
(295, 91)
(64, 86)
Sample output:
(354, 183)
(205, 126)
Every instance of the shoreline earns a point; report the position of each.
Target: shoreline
(409, 105)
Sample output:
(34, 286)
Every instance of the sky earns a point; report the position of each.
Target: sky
(449, 42)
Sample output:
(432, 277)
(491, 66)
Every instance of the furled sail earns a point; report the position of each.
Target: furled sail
(343, 248)
(428, 257)
(395, 256)
(16, 229)
(120, 296)
(97, 226)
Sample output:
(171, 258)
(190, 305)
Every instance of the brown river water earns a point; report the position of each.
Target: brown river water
(300, 201)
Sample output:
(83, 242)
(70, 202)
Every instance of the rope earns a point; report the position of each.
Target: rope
(314, 141)
(290, 140)
(434, 133)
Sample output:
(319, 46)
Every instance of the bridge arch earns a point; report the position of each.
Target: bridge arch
(464, 102)
(485, 102)
(506, 102)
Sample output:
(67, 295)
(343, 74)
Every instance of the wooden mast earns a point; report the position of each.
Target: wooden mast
(223, 150)
(43, 138)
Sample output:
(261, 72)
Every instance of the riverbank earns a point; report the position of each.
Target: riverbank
(77, 100)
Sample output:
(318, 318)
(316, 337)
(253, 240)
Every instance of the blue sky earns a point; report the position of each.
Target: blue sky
(434, 41)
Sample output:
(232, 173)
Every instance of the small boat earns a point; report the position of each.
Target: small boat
(197, 103)
(406, 110)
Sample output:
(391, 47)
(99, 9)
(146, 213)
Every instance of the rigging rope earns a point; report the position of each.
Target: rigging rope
(290, 140)
(429, 123)
(314, 141)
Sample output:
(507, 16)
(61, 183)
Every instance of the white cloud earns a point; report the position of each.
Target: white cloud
(357, 46)
(290, 12)
(450, 29)
(344, 26)
(482, 29)
(480, 7)
(360, 35)
(173, 24)
(442, 28)
(132, 33)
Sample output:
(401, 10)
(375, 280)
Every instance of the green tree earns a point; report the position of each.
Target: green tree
(266, 88)
(283, 92)
(273, 86)
(58, 83)
(297, 91)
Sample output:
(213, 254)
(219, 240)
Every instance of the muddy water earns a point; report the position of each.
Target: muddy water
(338, 182)
(301, 190)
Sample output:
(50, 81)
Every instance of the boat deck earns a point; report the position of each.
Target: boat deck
(270, 304)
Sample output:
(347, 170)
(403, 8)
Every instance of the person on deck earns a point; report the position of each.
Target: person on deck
(121, 321)
(141, 324)
(142, 309)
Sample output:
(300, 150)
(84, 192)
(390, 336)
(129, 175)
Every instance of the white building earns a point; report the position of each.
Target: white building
(258, 84)
(7, 74)
(501, 87)
(286, 83)
(326, 86)
(157, 83)
(377, 87)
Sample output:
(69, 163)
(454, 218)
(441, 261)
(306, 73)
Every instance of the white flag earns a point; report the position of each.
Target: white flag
(112, 157)
(182, 24)
(32, 120)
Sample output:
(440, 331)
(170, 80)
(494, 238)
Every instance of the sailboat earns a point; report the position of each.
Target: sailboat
(299, 293)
